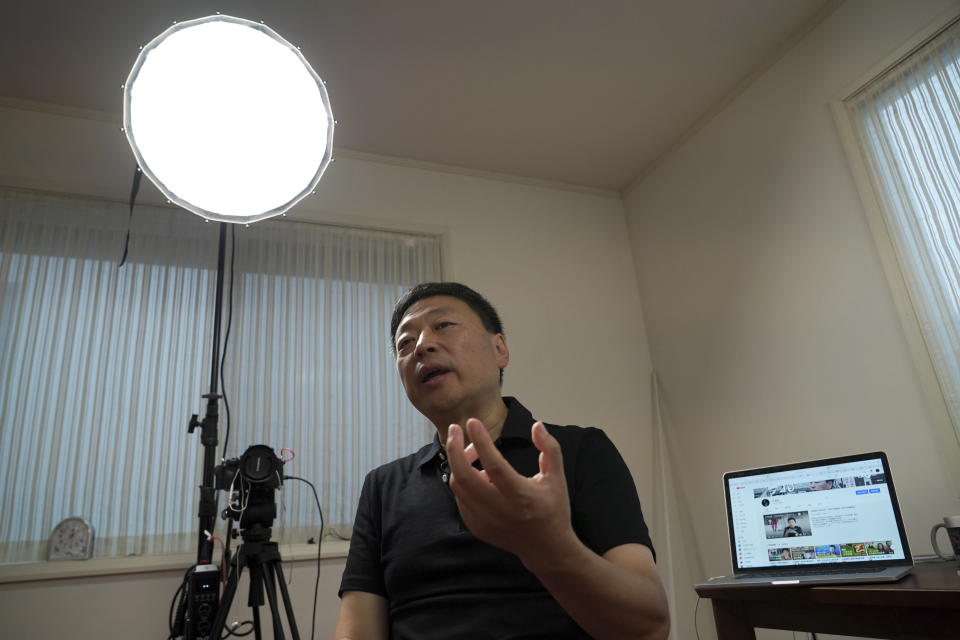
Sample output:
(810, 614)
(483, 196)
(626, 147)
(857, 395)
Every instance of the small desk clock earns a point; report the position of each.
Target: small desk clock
(72, 539)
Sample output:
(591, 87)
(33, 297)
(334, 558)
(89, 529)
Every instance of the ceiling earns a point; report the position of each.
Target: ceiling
(586, 93)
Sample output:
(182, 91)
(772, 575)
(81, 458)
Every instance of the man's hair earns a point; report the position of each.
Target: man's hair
(480, 305)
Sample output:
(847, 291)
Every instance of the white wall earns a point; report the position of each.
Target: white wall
(556, 263)
(770, 321)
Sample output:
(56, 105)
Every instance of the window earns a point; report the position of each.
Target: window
(101, 367)
(907, 125)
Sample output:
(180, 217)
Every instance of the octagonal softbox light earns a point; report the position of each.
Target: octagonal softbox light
(228, 119)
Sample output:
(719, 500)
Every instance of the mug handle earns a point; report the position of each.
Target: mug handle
(933, 541)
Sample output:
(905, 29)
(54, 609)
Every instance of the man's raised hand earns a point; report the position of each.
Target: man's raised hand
(529, 517)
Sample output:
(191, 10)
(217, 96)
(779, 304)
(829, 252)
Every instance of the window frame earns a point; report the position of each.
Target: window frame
(159, 560)
(945, 431)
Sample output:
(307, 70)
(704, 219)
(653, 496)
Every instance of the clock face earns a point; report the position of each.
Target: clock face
(72, 539)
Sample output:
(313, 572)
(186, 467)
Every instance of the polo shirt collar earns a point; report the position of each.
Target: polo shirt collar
(429, 452)
(518, 422)
(515, 427)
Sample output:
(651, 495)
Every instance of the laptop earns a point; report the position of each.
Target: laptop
(835, 520)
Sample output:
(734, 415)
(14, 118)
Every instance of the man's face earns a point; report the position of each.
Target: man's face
(447, 360)
(791, 522)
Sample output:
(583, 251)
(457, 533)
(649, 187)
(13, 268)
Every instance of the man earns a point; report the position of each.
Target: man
(501, 527)
(821, 485)
(793, 530)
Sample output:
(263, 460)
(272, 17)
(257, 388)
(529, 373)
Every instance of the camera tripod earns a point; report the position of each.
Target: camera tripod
(262, 558)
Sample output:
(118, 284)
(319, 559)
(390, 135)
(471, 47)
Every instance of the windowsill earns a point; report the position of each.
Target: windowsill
(39, 571)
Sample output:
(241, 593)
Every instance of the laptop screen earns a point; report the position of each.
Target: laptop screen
(839, 510)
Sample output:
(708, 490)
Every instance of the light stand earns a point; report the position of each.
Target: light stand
(207, 511)
(196, 617)
(231, 122)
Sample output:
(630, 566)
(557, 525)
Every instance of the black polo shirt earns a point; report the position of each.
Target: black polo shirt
(410, 545)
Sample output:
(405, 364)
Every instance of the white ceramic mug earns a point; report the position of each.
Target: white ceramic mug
(952, 525)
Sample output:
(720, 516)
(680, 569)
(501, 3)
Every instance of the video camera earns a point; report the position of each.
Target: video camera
(250, 482)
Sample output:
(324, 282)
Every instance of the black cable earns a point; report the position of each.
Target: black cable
(137, 174)
(175, 624)
(239, 574)
(226, 340)
(695, 610)
(170, 620)
(316, 585)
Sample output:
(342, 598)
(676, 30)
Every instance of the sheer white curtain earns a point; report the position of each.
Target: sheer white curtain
(101, 367)
(908, 127)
